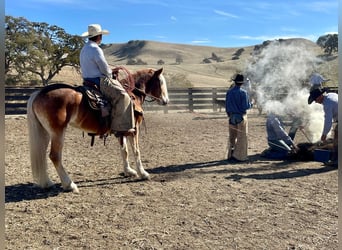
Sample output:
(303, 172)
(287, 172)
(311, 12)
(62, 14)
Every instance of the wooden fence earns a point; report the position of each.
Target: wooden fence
(16, 99)
(191, 99)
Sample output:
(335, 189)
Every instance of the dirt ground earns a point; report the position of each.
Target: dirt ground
(195, 199)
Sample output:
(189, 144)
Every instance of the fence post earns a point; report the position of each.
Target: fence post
(191, 103)
(214, 93)
(166, 109)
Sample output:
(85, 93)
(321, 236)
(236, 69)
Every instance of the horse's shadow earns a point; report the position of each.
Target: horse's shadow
(29, 191)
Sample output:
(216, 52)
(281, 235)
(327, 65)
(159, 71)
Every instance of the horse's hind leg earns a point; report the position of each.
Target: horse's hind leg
(135, 147)
(55, 155)
(128, 171)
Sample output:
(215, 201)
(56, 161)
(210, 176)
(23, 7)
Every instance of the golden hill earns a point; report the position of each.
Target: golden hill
(184, 65)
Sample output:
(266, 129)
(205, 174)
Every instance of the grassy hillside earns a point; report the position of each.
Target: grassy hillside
(190, 71)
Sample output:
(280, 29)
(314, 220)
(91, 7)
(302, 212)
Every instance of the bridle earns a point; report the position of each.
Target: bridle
(130, 87)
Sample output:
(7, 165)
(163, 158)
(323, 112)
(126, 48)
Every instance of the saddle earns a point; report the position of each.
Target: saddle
(98, 102)
(95, 99)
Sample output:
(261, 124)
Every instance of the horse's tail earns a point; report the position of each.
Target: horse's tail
(38, 142)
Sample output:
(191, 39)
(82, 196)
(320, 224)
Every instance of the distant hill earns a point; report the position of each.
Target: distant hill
(183, 64)
(199, 66)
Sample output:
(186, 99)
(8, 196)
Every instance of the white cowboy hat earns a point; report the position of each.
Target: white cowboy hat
(94, 30)
(317, 79)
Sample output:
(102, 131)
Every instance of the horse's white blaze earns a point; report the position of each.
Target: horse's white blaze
(163, 86)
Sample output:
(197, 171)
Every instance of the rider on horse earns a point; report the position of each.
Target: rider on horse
(96, 70)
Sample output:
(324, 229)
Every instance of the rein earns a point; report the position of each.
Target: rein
(131, 83)
(130, 78)
(153, 98)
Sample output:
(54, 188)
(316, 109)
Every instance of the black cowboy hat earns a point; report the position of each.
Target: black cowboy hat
(315, 93)
(239, 78)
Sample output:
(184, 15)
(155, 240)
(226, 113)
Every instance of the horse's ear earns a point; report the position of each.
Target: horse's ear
(159, 71)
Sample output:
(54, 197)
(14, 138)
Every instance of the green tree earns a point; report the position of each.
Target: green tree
(179, 59)
(329, 43)
(160, 62)
(37, 48)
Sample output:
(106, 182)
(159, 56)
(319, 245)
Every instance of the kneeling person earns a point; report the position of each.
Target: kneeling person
(280, 143)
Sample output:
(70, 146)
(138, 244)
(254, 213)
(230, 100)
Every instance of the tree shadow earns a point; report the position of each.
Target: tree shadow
(131, 49)
(183, 167)
(188, 166)
(288, 174)
(241, 170)
(210, 118)
(327, 57)
(121, 179)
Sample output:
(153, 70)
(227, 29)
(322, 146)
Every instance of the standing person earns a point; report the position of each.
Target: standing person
(96, 70)
(237, 104)
(330, 108)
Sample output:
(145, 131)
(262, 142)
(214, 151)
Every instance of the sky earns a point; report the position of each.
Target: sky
(217, 23)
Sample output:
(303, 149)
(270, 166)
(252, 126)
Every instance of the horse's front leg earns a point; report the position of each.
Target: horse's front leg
(128, 171)
(56, 157)
(136, 151)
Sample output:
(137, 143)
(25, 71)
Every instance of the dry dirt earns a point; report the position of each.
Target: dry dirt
(195, 199)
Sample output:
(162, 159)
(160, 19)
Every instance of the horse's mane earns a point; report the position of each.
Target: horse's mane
(54, 86)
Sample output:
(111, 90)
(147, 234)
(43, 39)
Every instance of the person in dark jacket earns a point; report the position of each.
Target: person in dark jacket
(281, 144)
(237, 104)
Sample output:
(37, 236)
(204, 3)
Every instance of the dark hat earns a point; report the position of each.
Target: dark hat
(314, 94)
(239, 78)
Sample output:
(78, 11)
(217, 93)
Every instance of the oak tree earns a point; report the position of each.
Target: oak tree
(37, 48)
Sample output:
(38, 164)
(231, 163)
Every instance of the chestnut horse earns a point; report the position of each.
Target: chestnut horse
(54, 107)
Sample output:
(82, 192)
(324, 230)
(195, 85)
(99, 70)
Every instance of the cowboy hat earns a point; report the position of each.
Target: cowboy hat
(239, 78)
(94, 30)
(317, 79)
(314, 94)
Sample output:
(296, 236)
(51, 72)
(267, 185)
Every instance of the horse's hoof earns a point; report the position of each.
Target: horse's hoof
(72, 188)
(145, 177)
(131, 173)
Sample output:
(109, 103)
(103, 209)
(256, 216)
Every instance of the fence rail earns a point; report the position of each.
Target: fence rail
(16, 99)
(181, 99)
(191, 99)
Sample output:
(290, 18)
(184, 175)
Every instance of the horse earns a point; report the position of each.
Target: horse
(51, 109)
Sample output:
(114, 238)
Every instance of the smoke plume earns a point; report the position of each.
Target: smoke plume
(279, 74)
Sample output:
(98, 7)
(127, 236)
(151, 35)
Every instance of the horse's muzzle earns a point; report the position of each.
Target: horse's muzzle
(163, 101)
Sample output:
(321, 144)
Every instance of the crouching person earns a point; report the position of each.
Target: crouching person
(281, 145)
